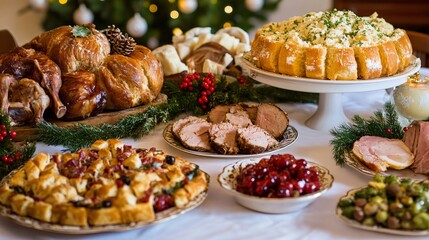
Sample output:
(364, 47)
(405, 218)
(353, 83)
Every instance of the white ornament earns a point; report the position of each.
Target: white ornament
(137, 26)
(39, 4)
(187, 6)
(254, 5)
(83, 15)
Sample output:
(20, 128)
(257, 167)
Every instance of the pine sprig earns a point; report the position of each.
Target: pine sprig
(383, 124)
(179, 101)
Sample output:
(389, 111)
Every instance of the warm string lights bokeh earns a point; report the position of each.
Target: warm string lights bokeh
(155, 21)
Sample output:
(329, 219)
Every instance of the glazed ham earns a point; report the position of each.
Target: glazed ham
(254, 139)
(223, 138)
(380, 153)
(417, 139)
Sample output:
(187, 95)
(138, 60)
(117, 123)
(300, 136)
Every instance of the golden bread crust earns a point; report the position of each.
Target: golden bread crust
(88, 189)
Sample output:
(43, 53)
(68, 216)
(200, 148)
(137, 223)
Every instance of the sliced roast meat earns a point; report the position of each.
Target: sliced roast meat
(177, 125)
(272, 119)
(379, 153)
(238, 116)
(223, 138)
(416, 138)
(251, 109)
(195, 135)
(254, 139)
(218, 113)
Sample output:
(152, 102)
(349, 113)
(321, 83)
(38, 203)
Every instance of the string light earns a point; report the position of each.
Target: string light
(153, 8)
(227, 24)
(174, 14)
(177, 31)
(62, 2)
(228, 9)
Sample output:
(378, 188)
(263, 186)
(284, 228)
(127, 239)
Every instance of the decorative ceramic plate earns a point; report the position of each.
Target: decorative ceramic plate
(289, 137)
(353, 162)
(49, 227)
(375, 228)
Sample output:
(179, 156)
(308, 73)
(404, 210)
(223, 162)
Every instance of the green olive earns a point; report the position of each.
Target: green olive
(345, 203)
(381, 216)
(369, 221)
(377, 200)
(370, 209)
(408, 225)
(421, 221)
(348, 212)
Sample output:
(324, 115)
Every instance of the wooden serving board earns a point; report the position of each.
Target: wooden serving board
(28, 132)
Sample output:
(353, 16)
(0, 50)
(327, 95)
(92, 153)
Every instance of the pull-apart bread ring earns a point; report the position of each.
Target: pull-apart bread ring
(334, 45)
(132, 80)
(73, 53)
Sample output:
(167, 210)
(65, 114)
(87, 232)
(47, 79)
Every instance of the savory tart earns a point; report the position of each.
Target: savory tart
(107, 183)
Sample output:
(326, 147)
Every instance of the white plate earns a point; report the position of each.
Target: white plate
(75, 230)
(358, 225)
(353, 162)
(228, 181)
(329, 86)
(289, 137)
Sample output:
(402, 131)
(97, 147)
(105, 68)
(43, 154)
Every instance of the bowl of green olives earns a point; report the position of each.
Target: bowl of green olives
(388, 204)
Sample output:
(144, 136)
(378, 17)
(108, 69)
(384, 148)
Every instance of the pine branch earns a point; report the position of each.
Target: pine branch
(383, 124)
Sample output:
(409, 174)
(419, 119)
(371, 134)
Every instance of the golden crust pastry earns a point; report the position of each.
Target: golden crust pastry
(85, 189)
(334, 45)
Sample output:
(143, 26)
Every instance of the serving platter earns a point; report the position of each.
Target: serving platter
(330, 113)
(358, 225)
(289, 137)
(357, 165)
(160, 217)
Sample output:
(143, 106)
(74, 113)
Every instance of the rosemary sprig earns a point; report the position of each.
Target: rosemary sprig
(383, 123)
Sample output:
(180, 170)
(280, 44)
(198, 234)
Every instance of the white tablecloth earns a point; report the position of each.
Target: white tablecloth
(220, 217)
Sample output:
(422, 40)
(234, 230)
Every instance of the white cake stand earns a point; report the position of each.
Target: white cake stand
(330, 112)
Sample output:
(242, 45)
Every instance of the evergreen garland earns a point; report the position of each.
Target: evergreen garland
(179, 101)
(12, 154)
(383, 124)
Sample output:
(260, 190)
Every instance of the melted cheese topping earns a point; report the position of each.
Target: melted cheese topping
(331, 29)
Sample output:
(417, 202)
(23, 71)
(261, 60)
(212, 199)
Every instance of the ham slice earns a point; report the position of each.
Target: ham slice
(417, 139)
(380, 153)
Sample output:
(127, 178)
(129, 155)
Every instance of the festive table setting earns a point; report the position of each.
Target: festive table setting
(301, 133)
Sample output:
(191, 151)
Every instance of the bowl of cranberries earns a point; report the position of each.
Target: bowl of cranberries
(276, 184)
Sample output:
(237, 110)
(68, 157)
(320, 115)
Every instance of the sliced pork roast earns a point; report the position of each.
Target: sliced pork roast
(254, 139)
(238, 117)
(272, 119)
(379, 153)
(223, 138)
(218, 113)
(251, 109)
(195, 135)
(417, 139)
(177, 125)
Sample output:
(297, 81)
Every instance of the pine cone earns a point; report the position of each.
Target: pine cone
(119, 42)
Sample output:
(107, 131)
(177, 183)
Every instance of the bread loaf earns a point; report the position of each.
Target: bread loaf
(334, 45)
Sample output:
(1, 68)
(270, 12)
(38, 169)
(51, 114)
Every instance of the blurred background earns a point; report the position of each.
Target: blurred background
(153, 22)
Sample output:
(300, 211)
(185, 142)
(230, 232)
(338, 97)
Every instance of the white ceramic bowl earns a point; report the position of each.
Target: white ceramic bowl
(227, 180)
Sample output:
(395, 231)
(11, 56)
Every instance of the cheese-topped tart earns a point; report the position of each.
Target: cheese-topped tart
(108, 183)
(335, 45)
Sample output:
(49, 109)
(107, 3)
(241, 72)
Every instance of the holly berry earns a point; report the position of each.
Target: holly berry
(12, 134)
(405, 129)
(3, 133)
(2, 127)
(6, 159)
(388, 130)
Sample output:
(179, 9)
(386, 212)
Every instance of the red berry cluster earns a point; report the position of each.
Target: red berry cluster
(280, 176)
(205, 84)
(242, 80)
(7, 136)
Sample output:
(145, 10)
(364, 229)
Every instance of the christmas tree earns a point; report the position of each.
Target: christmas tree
(154, 22)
